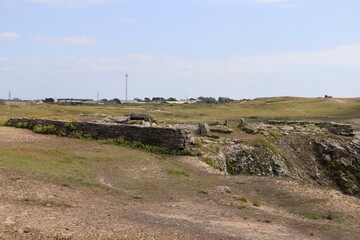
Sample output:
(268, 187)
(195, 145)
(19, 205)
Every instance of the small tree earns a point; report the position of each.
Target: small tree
(224, 99)
(49, 100)
(207, 99)
(116, 100)
(171, 99)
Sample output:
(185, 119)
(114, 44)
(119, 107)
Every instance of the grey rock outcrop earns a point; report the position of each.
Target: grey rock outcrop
(121, 119)
(142, 116)
(203, 129)
(341, 160)
(256, 160)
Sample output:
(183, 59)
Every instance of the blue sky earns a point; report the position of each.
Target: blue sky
(178, 48)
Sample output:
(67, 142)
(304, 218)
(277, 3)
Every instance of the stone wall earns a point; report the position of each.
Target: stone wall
(335, 128)
(165, 137)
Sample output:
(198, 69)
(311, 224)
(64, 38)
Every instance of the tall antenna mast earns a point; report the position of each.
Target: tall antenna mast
(9, 95)
(126, 87)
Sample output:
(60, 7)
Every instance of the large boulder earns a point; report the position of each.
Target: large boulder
(203, 129)
(121, 119)
(142, 116)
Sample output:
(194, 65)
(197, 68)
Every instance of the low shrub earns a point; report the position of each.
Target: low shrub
(203, 191)
(241, 198)
(22, 125)
(177, 171)
(45, 129)
(256, 203)
(4, 122)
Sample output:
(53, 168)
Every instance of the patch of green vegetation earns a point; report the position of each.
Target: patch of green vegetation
(275, 134)
(15, 178)
(198, 143)
(22, 125)
(256, 202)
(230, 167)
(221, 129)
(217, 149)
(4, 122)
(316, 215)
(55, 163)
(69, 126)
(241, 198)
(311, 126)
(203, 191)
(261, 142)
(291, 107)
(178, 171)
(212, 163)
(45, 129)
(345, 176)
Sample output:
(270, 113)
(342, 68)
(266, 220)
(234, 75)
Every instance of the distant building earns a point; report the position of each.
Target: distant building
(128, 101)
(74, 100)
(327, 96)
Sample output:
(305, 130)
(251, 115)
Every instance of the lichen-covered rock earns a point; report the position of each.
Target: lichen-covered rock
(254, 160)
(341, 161)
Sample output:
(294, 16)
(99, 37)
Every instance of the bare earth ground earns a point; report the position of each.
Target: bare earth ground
(34, 205)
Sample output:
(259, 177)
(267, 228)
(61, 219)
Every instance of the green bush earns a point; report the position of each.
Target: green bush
(4, 122)
(203, 191)
(256, 203)
(241, 198)
(22, 125)
(45, 129)
(69, 126)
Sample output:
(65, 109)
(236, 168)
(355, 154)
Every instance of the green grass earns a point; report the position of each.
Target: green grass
(53, 162)
(241, 198)
(275, 134)
(314, 215)
(178, 171)
(212, 163)
(281, 107)
(261, 142)
(73, 162)
(256, 202)
(203, 191)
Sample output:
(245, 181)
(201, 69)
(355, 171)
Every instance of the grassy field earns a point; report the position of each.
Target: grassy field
(69, 187)
(281, 107)
(57, 186)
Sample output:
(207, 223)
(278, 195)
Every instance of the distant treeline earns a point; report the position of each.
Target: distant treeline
(160, 99)
(199, 99)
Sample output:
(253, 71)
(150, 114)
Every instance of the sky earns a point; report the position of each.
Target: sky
(179, 48)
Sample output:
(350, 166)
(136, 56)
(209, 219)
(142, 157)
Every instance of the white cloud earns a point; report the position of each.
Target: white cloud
(273, 74)
(71, 3)
(9, 36)
(66, 41)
